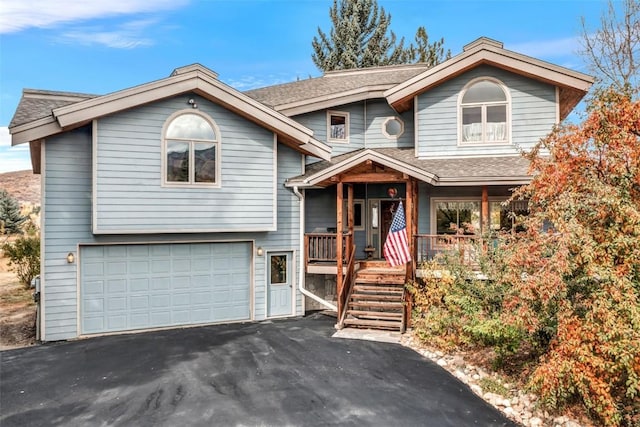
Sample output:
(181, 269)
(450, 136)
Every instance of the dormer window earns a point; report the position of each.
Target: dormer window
(191, 151)
(484, 113)
(337, 126)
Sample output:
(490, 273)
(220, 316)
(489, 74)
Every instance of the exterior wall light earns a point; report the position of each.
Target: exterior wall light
(259, 251)
(192, 102)
(71, 258)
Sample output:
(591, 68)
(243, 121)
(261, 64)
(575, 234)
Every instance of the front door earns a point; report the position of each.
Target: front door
(387, 210)
(279, 284)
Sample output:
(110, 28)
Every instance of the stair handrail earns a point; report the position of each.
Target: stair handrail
(348, 287)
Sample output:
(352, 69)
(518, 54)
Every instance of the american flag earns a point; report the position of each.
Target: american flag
(396, 247)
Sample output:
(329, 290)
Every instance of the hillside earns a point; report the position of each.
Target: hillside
(24, 186)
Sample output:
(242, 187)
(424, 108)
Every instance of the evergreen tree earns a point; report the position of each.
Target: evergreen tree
(10, 217)
(358, 38)
(428, 53)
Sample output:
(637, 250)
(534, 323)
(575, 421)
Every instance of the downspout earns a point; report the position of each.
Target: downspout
(302, 257)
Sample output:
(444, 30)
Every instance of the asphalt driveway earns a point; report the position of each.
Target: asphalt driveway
(288, 372)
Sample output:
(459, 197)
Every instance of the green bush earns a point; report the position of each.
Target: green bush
(11, 219)
(457, 305)
(24, 257)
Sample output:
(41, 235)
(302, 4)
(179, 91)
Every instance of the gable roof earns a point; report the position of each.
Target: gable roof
(507, 170)
(572, 84)
(60, 112)
(334, 88)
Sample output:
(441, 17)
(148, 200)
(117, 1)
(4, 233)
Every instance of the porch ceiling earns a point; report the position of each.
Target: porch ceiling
(396, 164)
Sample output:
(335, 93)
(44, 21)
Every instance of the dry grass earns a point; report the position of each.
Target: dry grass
(17, 311)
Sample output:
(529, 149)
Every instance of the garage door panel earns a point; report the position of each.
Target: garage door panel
(128, 287)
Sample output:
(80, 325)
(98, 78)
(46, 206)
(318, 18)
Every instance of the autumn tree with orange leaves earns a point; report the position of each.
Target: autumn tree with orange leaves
(574, 274)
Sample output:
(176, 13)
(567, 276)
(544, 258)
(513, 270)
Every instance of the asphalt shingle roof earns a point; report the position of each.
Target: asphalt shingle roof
(444, 169)
(37, 104)
(334, 83)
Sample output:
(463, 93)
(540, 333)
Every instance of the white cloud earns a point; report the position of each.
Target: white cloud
(12, 158)
(126, 36)
(18, 15)
(5, 138)
(556, 48)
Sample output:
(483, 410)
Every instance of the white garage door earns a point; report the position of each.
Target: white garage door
(127, 287)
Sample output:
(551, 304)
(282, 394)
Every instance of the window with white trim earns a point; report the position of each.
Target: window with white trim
(393, 127)
(464, 216)
(337, 126)
(484, 113)
(191, 151)
(358, 214)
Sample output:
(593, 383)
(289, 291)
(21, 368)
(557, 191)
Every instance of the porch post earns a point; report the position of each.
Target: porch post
(409, 213)
(350, 221)
(485, 209)
(339, 254)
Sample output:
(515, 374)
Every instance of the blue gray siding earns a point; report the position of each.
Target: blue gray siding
(129, 192)
(365, 128)
(533, 114)
(67, 224)
(377, 112)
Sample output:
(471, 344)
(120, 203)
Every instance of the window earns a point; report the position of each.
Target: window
(337, 126)
(191, 151)
(454, 216)
(504, 217)
(392, 127)
(358, 214)
(484, 113)
(464, 216)
(278, 269)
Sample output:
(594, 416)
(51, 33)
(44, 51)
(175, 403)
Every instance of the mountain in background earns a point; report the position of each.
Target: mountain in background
(24, 186)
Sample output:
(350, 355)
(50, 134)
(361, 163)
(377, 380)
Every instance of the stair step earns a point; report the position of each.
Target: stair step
(376, 297)
(379, 288)
(375, 314)
(386, 304)
(382, 279)
(375, 324)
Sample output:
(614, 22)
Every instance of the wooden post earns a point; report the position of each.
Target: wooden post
(409, 213)
(485, 209)
(409, 195)
(339, 254)
(350, 221)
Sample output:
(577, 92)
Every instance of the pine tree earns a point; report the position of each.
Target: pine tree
(428, 53)
(10, 217)
(358, 38)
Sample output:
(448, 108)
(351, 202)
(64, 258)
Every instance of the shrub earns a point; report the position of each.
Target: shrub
(454, 306)
(10, 217)
(24, 257)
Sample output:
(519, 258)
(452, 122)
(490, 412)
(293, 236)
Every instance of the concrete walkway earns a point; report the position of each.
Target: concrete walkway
(289, 372)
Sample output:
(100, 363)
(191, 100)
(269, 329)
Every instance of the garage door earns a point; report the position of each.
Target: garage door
(126, 287)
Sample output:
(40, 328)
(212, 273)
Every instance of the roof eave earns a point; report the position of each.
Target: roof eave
(480, 180)
(192, 80)
(401, 95)
(332, 100)
(34, 130)
(320, 176)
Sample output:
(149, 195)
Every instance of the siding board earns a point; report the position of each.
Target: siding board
(67, 211)
(246, 182)
(533, 114)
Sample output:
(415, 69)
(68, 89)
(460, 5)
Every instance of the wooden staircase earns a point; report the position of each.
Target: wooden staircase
(376, 301)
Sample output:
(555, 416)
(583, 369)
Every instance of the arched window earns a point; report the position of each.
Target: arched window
(484, 112)
(191, 147)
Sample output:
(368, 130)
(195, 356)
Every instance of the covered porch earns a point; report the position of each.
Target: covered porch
(349, 206)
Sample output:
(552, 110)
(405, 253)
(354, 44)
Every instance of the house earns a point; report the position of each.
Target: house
(183, 201)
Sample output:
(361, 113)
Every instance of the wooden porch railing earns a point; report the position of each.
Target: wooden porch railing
(427, 246)
(321, 247)
(347, 286)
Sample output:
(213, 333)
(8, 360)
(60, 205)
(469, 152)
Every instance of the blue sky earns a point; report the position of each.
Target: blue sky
(98, 46)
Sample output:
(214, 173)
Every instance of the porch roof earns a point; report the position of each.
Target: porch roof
(507, 170)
